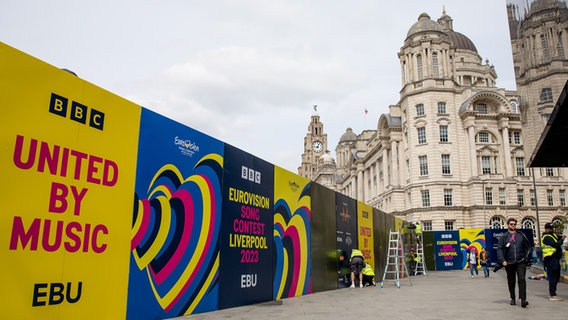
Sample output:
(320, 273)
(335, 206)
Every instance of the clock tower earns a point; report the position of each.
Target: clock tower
(315, 146)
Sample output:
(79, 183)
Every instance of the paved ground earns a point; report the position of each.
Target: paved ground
(438, 295)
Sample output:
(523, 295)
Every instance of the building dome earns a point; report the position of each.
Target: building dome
(349, 135)
(461, 41)
(424, 24)
(326, 158)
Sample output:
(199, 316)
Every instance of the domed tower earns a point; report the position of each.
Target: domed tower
(434, 55)
(539, 41)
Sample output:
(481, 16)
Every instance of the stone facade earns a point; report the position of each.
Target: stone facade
(452, 152)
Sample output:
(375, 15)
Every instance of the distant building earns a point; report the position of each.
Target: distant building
(452, 152)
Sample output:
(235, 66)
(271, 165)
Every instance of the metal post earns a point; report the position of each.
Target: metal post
(536, 208)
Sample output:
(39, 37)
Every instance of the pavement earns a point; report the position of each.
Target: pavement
(437, 295)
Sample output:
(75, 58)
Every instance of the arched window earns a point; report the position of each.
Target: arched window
(435, 72)
(528, 223)
(497, 223)
(560, 46)
(560, 221)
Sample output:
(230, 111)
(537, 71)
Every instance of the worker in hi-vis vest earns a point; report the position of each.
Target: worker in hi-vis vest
(357, 263)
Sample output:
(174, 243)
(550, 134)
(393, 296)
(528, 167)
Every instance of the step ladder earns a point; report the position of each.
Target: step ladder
(420, 267)
(395, 264)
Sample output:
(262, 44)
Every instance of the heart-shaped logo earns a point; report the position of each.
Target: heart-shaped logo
(292, 248)
(175, 234)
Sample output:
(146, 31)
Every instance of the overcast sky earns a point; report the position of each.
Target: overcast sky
(248, 72)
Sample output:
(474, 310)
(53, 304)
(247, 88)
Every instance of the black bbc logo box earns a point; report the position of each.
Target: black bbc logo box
(75, 111)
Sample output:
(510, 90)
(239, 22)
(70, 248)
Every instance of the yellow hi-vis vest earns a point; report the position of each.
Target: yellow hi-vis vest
(356, 253)
(418, 229)
(547, 250)
(418, 257)
(368, 271)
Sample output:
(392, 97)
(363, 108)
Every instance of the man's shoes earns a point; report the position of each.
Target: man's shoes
(512, 302)
(555, 298)
(352, 285)
(360, 285)
(524, 303)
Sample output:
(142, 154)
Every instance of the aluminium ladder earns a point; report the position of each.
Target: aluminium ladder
(420, 267)
(395, 258)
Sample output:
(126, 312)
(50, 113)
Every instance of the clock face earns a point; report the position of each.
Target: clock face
(317, 146)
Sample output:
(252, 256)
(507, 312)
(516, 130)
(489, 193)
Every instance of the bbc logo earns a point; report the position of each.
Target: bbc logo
(80, 113)
(250, 174)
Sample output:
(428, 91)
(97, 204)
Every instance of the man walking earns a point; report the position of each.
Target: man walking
(513, 252)
(551, 245)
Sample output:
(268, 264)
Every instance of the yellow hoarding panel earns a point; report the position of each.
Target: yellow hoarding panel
(365, 231)
(67, 161)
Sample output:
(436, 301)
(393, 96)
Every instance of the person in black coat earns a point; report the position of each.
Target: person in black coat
(513, 253)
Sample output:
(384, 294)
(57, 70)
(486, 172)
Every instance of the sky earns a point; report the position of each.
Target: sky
(248, 72)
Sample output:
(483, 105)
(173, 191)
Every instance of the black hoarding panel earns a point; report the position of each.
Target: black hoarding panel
(246, 230)
(323, 239)
(346, 237)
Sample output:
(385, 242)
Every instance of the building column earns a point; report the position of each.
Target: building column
(472, 151)
(409, 68)
(373, 174)
(377, 168)
(414, 69)
(403, 72)
(360, 182)
(385, 168)
(507, 151)
(394, 160)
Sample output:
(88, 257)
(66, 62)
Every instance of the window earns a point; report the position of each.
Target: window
(443, 133)
(546, 94)
(528, 223)
(483, 137)
(409, 197)
(425, 198)
(545, 48)
(502, 196)
(423, 160)
(520, 197)
(496, 223)
(446, 168)
(532, 197)
(448, 224)
(560, 46)
(515, 107)
(420, 109)
(442, 107)
(421, 135)
(485, 164)
(550, 197)
(419, 67)
(515, 137)
(549, 172)
(427, 225)
(488, 195)
(562, 196)
(481, 108)
(520, 162)
(435, 71)
(448, 197)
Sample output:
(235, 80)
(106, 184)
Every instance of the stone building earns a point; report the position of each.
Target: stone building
(452, 152)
